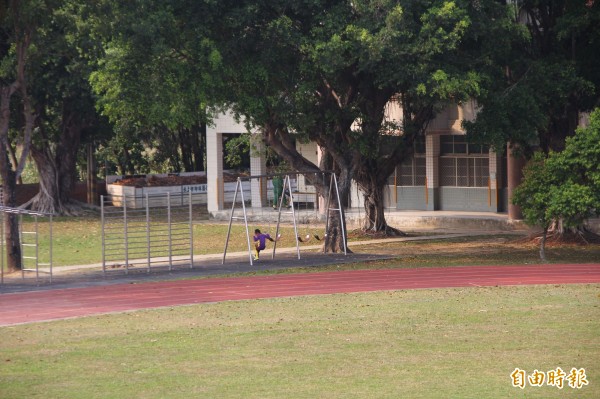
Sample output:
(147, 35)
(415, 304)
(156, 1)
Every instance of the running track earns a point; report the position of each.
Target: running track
(35, 306)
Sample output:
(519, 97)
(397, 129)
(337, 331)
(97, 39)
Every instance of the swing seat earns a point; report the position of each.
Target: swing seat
(305, 239)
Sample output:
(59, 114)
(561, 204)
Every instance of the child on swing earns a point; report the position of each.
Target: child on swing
(260, 242)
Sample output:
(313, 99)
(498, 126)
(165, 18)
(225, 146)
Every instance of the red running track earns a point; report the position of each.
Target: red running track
(26, 307)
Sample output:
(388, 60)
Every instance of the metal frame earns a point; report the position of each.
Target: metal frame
(240, 188)
(287, 183)
(136, 235)
(25, 244)
(332, 183)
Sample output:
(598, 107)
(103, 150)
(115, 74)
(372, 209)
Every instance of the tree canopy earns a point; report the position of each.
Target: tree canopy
(314, 70)
(153, 82)
(541, 76)
(325, 71)
(563, 188)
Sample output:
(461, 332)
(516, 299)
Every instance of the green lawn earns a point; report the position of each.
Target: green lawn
(78, 241)
(442, 343)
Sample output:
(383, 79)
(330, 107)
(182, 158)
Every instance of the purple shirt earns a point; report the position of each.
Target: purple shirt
(263, 240)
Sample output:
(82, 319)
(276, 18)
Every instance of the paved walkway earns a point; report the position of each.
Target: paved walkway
(27, 307)
(204, 265)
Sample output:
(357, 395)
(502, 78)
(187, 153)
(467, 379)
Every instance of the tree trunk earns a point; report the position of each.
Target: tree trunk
(185, 140)
(543, 245)
(199, 146)
(374, 200)
(14, 260)
(371, 179)
(335, 234)
(374, 211)
(280, 141)
(12, 240)
(336, 228)
(56, 185)
(14, 162)
(57, 170)
(192, 147)
(92, 180)
(10, 175)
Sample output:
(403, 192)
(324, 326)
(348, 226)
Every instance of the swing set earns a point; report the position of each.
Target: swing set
(307, 236)
(281, 208)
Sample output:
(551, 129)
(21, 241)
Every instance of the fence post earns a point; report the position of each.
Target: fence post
(20, 217)
(169, 223)
(191, 218)
(148, 231)
(51, 239)
(2, 250)
(126, 233)
(37, 251)
(103, 233)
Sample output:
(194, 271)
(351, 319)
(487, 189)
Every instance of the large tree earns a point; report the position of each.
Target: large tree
(543, 77)
(301, 70)
(18, 26)
(563, 188)
(152, 82)
(325, 71)
(64, 106)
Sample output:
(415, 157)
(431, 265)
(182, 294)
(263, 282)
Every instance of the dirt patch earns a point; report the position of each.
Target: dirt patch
(465, 246)
(554, 239)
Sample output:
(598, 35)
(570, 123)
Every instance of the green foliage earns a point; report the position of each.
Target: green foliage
(540, 74)
(564, 185)
(124, 153)
(236, 151)
(154, 78)
(30, 173)
(533, 195)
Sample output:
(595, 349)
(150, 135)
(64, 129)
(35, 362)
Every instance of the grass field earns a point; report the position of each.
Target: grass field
(78, 241)
(442, 343)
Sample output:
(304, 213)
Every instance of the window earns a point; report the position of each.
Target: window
(464, 172)
(420, 145)
(457, 144)
(463, 164)
(412, 172)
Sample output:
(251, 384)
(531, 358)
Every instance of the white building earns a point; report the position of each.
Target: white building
(445, 172)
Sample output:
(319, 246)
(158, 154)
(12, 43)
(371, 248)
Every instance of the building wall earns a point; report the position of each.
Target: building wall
(223, 123)
(428, 193)
(439, 193)
(310, 152)
(411, 198)
(475, 199)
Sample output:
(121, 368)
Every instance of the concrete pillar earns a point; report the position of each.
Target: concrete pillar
(515, 164)
(322, 201)
(494, 181)
(92, 181)
(214, 170)
(258, 167)
(432, 165)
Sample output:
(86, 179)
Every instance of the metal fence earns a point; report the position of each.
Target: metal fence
(140, 233)
(35, 236)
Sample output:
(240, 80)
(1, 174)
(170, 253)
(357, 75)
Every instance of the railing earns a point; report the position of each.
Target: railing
(33, 260)
(155, 231)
